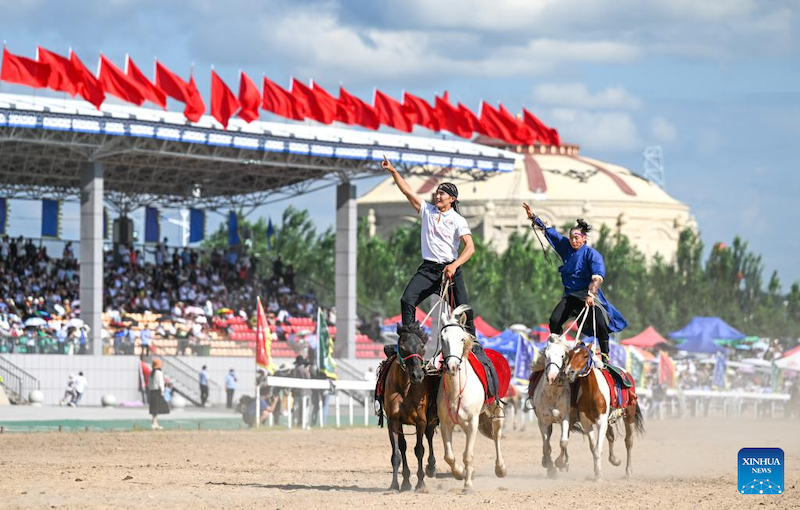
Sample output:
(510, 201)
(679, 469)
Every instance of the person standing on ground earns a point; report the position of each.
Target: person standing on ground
(155, 392)
(80, 387)
(230, 387)
(203, 386)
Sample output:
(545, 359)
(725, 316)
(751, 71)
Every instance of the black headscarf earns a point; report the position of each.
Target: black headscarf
(452, 190)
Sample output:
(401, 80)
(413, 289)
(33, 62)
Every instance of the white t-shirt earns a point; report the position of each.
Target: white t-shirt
(441, 233)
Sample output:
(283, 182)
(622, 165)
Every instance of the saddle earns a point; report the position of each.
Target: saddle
(493, 371)
(380, 383)
(622, 395)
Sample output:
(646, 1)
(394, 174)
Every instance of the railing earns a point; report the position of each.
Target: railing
(185, 379)
(334, 388)
(19, 382)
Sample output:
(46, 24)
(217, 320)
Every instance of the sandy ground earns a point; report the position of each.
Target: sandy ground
(677, 464)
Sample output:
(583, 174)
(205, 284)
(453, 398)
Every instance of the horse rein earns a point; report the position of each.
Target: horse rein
(586, 370)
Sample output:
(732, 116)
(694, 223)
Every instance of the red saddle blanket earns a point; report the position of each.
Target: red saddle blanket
(500, 366)
(620, 397)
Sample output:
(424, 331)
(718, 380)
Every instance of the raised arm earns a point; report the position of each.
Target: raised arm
(556, 240)
(412, 197)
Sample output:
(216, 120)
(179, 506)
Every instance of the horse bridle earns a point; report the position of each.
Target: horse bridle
(589, 364)
(403, 359)
(445, 358)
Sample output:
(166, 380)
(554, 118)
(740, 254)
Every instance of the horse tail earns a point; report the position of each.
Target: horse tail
(639, 420)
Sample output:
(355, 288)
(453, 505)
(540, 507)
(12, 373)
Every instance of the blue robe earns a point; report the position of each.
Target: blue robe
(577, 270)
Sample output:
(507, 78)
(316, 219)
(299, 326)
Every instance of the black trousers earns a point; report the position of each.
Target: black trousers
(570, 307)
(427, 282)
(229, 394)
(203, 394)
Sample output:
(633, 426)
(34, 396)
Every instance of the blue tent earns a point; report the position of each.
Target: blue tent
(712, 328)
(701, 343)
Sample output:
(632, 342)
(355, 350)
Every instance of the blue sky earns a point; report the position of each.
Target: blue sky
(715, 83)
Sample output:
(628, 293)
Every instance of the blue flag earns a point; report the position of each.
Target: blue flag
(524, 358)
(50, 218)
(233, 229)
(270, 234)
(151, 226)
(197, 225)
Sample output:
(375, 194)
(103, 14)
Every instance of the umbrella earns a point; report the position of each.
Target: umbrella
(33, 322)
(43, 314)
(75, 323)
(194, 310)
(201, 320)
(224, 311)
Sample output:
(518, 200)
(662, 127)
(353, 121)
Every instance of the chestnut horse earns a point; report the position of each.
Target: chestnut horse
(594, 406)
(408, 395)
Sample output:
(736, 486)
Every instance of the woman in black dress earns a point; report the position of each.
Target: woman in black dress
(155, 392)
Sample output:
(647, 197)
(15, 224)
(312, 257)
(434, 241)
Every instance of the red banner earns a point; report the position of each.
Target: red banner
(263, 340)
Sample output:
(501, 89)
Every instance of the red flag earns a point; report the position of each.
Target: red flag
(174, 86)
(391, 113)
(471, 120)
(263, 340)
(353, 110)
(523, 133)
(249, 98)
(24, 71)
(327, 103)
(88, 86)
(419, 112)
(277, 100)
(543, 133)
(114, 82)
(497, 126)
(63, 76)
(450, 118)
(149, 91)
(310, 104)
(223, 103)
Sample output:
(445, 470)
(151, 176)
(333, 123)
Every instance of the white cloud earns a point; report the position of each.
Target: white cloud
(662, 130)
(577, 95)
(606, 131)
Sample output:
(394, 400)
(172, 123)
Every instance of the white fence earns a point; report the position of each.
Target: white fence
(675, 404)
(333, 389)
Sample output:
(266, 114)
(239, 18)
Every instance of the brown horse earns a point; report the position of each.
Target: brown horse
(408, 395)
(594, 407)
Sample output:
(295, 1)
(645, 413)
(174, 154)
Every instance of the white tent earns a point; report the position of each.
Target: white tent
(791, 362)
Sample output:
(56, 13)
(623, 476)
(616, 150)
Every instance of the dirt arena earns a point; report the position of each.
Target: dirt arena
(677, 464)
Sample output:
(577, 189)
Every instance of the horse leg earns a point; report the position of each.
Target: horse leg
(471, 431)
(602, 426)
(629, 425)
(394, 440)
(611, 457)
(406, 486)
(430, 470)
(547, 430)
(419, 451)
(497, 426)
(562, 462)
(594, 438)
(449, 455)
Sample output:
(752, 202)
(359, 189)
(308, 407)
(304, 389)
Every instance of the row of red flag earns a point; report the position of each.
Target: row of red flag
(70, 75)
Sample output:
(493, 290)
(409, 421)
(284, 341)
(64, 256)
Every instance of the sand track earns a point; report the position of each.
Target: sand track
(677, 464)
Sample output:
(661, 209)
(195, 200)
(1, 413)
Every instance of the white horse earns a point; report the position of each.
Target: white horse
(551, 402)
(461, 400)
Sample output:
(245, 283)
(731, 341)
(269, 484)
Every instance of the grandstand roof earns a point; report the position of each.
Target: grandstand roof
(159, 157)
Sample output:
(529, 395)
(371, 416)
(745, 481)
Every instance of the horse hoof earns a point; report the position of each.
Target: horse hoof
(560, 464)
(598, 478)
(421, 489)
(393, 489)
(468, 490)
(551, 472)
(614, 461)
(500, 471)
(430, 471)
(628, 474)
(405, 487)
(547, 462)
(458, 473)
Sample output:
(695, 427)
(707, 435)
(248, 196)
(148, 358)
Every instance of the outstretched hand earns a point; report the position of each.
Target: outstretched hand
(528, 210)
(386, 164)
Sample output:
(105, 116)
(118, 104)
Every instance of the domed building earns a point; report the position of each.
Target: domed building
(560, 186)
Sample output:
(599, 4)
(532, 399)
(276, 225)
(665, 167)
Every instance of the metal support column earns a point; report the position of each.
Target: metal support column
(91, 254)
(345, 276)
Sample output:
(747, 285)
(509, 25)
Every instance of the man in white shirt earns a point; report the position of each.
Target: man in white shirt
(443, 230)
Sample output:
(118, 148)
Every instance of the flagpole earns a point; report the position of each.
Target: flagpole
(258, 333)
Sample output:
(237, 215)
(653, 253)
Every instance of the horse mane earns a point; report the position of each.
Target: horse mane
(415, 328)
(469, 343)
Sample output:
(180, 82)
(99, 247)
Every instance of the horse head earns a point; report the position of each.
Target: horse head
(411, 350)
(580, 361)
(555, 354)
(456, 342)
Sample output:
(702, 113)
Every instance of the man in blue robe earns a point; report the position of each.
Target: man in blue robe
(582, 273)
